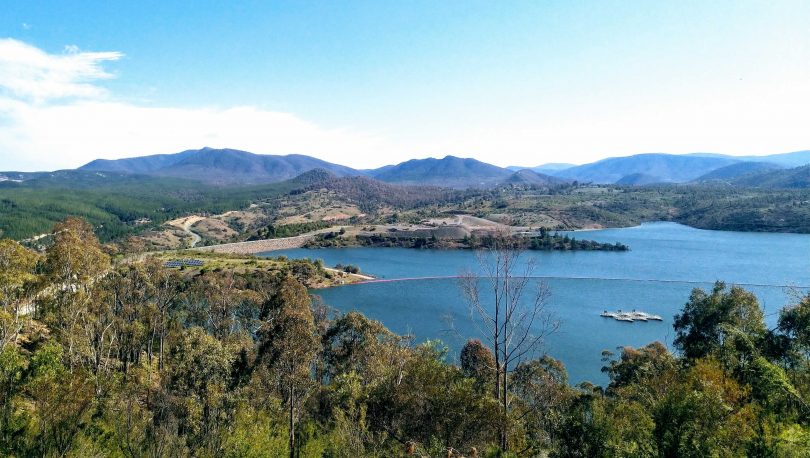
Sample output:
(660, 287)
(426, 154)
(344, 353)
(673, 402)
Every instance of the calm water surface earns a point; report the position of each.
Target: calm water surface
(665, 263)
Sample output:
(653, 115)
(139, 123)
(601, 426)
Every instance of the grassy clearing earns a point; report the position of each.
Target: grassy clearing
(311, 273)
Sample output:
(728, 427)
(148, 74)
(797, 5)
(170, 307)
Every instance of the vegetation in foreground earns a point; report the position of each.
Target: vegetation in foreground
(131, 359)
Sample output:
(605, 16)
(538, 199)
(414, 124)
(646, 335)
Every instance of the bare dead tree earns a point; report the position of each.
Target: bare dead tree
(510, 310)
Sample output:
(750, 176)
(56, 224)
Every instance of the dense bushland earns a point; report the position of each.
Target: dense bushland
(131, 359)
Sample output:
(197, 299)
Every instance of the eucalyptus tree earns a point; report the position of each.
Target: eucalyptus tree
(510, 310)
(478, 362)
(17, 278)
(73, 264)
(289, 344)
(726, 323)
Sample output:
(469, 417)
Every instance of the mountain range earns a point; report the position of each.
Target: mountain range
(229, 167)
(220, 166)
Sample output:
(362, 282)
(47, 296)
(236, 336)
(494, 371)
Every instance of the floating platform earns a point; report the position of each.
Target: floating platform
(630, 317)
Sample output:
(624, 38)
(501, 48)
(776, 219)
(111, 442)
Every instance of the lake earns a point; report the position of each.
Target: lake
(665, 263)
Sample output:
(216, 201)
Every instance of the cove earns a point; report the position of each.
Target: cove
(665, 263)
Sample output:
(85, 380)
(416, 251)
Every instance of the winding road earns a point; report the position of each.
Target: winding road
(185, 224)
(195, 238)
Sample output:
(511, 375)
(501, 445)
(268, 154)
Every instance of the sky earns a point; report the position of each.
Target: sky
(369, 83)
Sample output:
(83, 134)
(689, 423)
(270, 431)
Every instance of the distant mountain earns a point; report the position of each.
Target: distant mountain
(668, 168)
(738, 170)
(530, 177)
(235, 167)
(449, 171)
(795, 178)
(221, 166)
(638, 179)
(142, 164)
(549, 168)
(794, 159)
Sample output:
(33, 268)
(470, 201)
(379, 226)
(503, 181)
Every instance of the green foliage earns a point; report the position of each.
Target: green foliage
(135, 360)
(711, 324)
(545, 242)
(290, 230)
(478, 362)
(639, 366)
(113, 206)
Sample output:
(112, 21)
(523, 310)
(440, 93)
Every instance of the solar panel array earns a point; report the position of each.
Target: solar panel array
(183, 262)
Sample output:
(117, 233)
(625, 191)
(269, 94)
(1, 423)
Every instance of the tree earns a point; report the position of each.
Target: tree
(477, 362)
(543, 395)
(73, 264)
(354, 343)
(12, 366)
(703, 414)
(197, 383)
(511, 311)
(432, 404)
(165, 290)
(794, 322)
(726, 323)
(17, 279)
(289, 344)
(76, 257)
(639, 365)
(223, 294)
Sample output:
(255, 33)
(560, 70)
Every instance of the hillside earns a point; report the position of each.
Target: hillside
(669, 168)
(795, 178)
(312, 177)
(530, 177)
(115, 203)
(449, 171)
(794, 159)
(141, 164)
(369, 193)
(221, 166)
(638, 179)
(737, 170)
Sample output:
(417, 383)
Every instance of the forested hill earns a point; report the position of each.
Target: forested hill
(370, 193)
(738, 170)
(221, 166)
(796, 178)
(449, 171)
(663, 167)
(118, 204)
(114, 202)
(534, 178)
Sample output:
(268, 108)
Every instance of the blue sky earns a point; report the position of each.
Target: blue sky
(375, 82)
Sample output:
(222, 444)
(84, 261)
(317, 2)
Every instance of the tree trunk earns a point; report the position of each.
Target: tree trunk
(505, 404)
(292, 422)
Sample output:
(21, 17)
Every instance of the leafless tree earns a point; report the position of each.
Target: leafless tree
(510, 309)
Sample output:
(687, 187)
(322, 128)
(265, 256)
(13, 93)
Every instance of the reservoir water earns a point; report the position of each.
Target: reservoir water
(665, 263)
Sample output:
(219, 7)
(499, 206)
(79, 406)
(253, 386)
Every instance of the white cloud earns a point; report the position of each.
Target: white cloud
(54, 115)
(30, 73)
(69, 135)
